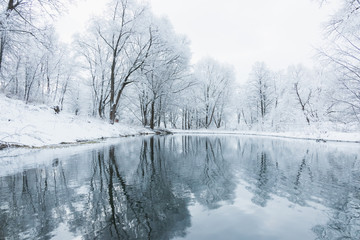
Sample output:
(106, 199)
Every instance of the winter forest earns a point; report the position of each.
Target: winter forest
(128, 130)
(130, 66)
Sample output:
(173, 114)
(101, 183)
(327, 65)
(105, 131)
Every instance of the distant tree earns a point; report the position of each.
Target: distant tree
(214, 80)
(164, 73)
(260, 90)
(95, 60)
(303, 93)
(245, 109)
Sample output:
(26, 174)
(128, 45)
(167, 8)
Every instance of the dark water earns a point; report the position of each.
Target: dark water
(192, 187)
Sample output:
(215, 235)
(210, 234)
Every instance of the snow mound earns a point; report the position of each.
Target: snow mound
(38, 125)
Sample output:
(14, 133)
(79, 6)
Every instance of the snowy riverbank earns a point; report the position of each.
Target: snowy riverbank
(322, 136)
(38, 125)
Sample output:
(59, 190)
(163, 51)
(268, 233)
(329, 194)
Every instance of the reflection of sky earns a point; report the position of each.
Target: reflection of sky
(62, 232)
(243, 219)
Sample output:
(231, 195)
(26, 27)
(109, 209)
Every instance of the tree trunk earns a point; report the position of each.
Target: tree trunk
(152, 110)
(112, 90)
(159, 113)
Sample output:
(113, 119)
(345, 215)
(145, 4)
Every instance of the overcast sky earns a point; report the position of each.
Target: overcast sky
(238, 32)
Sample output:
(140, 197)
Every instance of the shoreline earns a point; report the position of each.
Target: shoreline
(7, 145)
(281, 135)
(38, 127)
(284, 135)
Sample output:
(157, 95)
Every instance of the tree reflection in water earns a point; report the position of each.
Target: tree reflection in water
(143, 189)
(305, 174)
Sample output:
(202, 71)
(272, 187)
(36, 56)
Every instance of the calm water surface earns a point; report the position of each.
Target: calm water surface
(185, 187)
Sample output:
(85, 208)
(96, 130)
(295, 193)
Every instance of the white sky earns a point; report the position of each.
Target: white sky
(238, 32)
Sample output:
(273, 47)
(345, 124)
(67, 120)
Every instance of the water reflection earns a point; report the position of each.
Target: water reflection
(148, 189)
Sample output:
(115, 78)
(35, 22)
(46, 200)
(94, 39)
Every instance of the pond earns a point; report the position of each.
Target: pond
(183, 187)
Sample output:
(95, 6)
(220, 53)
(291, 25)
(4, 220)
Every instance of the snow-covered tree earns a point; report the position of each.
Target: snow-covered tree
(22, 21)
(343, 53)
(260, 91)
(95, 62)
(214, 83)
(164, 74)
(124, 38)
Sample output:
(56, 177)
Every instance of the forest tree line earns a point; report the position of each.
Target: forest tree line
(131, 66)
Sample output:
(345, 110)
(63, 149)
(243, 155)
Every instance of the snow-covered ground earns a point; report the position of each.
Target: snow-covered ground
(38, 125)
